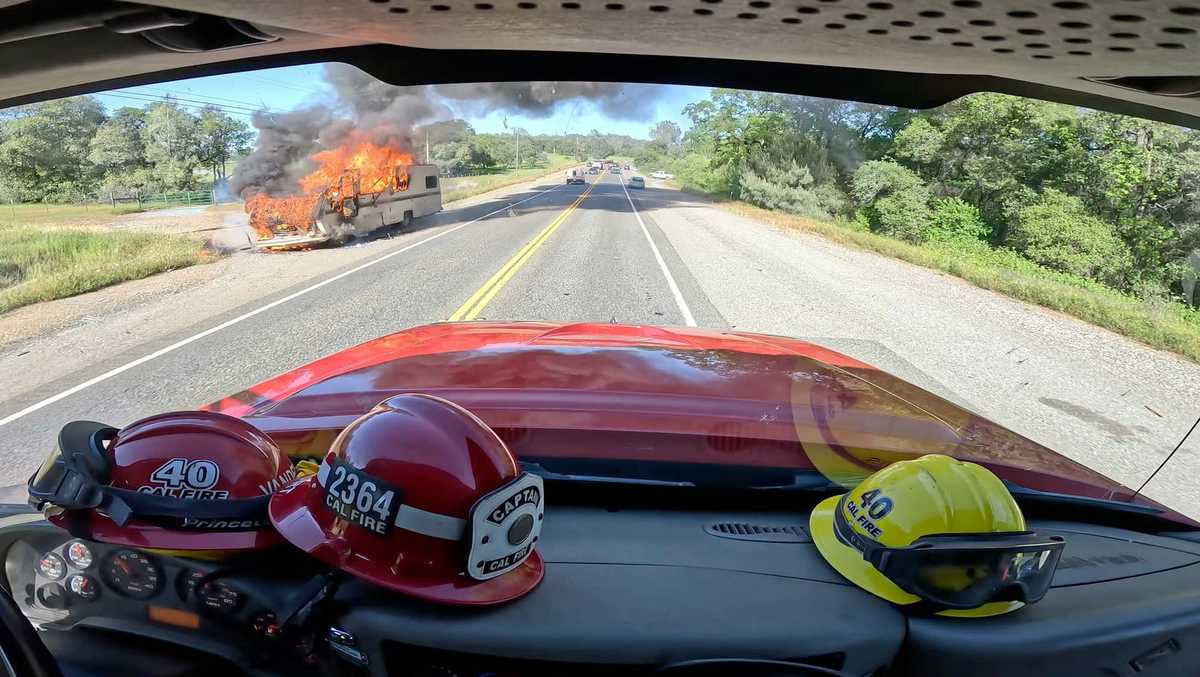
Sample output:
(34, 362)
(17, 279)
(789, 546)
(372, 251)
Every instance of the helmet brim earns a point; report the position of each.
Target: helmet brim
(850, 564)
(102, 529)
(290, 513)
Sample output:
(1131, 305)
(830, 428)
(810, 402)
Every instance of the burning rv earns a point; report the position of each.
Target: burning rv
(358, 188)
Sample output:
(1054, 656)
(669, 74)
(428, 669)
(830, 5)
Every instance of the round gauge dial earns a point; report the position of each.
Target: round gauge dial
(83, 586)
(132, 573)
(52, 566)
(79, 555)
(213, 595)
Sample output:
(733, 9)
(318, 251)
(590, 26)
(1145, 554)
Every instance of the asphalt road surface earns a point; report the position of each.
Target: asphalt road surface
(601, 252)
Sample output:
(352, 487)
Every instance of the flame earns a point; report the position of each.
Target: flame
(357, 167)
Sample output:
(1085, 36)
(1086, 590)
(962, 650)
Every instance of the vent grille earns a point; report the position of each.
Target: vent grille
(745, 531)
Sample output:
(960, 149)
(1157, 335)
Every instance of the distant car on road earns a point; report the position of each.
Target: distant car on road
(637, 182)
(593, 170)
(626, 167)
(616, 169)
(660, 175)
(575, 176)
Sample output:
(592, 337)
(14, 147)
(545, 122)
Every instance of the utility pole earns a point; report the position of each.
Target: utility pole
(517, 133)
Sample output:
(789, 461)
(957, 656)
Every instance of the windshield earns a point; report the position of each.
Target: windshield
(629, 281)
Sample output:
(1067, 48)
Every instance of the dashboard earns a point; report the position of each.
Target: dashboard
(628, 590)
(69, 584)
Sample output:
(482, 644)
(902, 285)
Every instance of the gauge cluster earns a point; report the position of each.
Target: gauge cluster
(63, 582)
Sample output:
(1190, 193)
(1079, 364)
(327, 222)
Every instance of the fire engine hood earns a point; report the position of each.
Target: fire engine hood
(644, 393)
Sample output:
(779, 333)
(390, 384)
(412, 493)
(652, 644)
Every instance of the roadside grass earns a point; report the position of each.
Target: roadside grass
(1161, 324)
(461, 187)
(63, 215)
(37, 264)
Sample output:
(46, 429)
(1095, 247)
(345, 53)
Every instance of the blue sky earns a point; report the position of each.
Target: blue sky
(282, 89)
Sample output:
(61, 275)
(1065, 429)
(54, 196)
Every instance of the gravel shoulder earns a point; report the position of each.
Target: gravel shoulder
(1104, 400)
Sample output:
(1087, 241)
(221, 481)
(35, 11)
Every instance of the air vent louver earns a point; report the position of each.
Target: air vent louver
(745, 531)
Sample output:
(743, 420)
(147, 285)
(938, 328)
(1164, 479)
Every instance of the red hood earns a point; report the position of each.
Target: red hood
(648, 393)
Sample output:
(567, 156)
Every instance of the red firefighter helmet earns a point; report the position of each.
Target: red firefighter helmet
(185, 480)
(421, 497)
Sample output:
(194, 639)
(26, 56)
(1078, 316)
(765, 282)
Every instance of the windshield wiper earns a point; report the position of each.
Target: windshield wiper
(674, 474)
(576, 477)
(1050, 497)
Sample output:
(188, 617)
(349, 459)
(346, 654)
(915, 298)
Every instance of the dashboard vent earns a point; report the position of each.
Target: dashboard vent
(745, 531)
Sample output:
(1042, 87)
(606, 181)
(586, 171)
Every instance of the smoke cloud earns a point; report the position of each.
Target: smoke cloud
(542, 99)
(388, 114)
(281, 153)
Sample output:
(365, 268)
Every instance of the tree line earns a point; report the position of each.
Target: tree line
(68, 149)
(1103, 197)
(456, 147)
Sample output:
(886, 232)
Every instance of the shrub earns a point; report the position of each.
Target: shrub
(954, 219)
(783, 186)
(788, 186)
(1057, 232)
(697, 172)
(894, 199)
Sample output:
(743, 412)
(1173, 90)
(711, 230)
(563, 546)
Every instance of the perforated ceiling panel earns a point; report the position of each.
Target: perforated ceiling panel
(1151, 48)
(1099, 38)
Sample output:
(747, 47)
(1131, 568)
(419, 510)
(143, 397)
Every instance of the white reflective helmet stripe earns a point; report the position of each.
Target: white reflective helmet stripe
(430, 523)
(412, 518)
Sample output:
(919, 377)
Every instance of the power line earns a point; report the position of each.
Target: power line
(188, 100)
(193, 95)
(285, 85)
(147, 98)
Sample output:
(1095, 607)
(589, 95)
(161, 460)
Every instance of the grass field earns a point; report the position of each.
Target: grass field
(467, 186)
(62, 216)
(1167, 325)
(38, 264)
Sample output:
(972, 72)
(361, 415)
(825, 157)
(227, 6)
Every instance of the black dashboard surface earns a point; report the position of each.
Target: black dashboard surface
(631, 589)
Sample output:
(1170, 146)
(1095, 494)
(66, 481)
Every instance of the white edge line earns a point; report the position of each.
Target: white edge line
(245, 316)
(688, 319)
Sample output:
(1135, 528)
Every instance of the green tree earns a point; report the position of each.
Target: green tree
(44, 149)
(118, 150)
(219, 138)
(920, 145)
(666, 134)
(170, 137)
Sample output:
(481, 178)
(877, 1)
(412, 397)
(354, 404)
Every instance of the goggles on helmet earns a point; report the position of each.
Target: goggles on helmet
(75, 476)
(962, 571)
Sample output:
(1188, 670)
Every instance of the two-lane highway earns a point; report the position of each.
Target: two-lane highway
(602, 252)
(555, 252)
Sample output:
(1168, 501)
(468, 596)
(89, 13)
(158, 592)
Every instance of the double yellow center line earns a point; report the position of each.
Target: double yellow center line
(475, 305)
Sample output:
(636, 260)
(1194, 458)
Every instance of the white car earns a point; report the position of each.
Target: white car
(661, 175)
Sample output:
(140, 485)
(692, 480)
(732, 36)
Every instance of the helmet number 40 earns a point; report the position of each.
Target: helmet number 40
(181, 478)
(876, 504)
